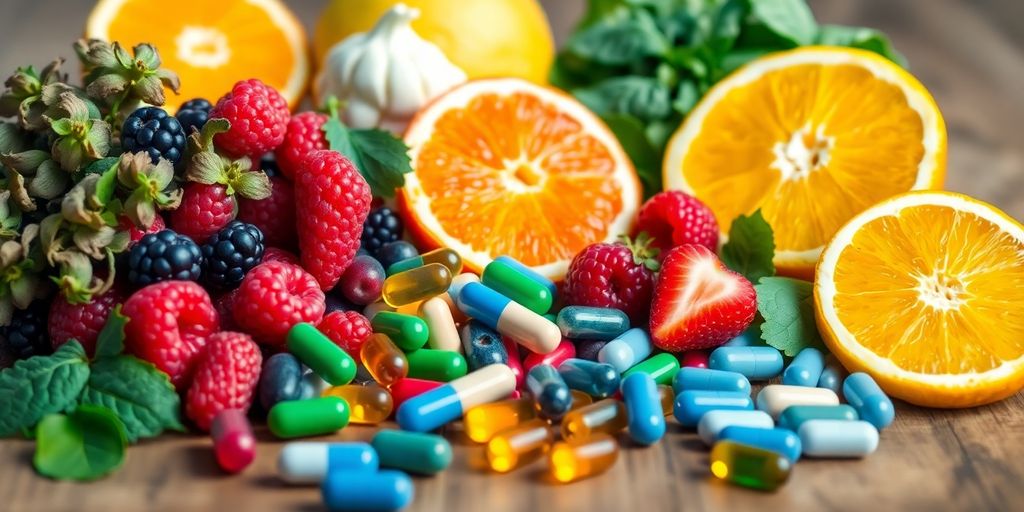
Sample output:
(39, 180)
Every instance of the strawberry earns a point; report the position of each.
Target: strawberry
(619, 276)
(331, 201)
(698, 302)
(673, 218)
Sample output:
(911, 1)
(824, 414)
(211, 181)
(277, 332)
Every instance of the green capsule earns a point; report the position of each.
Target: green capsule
(662, 368)
(510, 282)
(795, 415)
(301, 418)
(425, 454)
(437, 365)
(407, 331)
(444, 256)
(321, 355)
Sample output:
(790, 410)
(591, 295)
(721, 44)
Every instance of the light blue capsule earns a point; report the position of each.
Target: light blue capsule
(646, 419)
(795, 415)
(755, 363)
(805, 369)
(346, 491)
(838, 438)
(626, 350)
(482, 345)
(599, 380)
(871, 403)
(709, 380)
(778, 440)
(587, 323)
(530, 273)
(310, 462)
(832, 377)
(549, 391)
(690, 406)
(713, 422)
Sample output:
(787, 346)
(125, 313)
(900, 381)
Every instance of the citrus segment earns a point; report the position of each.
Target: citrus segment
(923, 292)
(507, 167)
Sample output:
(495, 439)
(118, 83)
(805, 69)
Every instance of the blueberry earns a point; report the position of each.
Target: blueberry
(396, 251)
(280, 380)
(193, 114)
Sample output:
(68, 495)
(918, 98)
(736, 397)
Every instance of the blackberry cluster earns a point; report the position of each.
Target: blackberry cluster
(382, 227)
(231, 253)
(26, 335)
(164, 256)
(193, 114)
(152, 130)
(268, 164)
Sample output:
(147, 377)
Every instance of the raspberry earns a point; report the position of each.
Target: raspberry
(168, 324)
(151, 130)
(82, 322)
(275, 215)
(136, 233)
(258, 116)
(382, 227)
(276, 254)
(204, 210)
(230, 253)
(26, 333)
(164, 256)
(273, 297)
(226, 377)
(193, 114)
(225, 305)
(673, 218)
(613, 276)
(305, 135)
(331, 203)
(347, 329)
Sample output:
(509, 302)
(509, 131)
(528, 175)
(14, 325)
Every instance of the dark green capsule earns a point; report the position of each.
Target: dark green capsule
(438, 365)
(662, 368)
(301, 418)
(510, 282)
(795, 415)
(407, 331)
(425, 454)
(321, 355)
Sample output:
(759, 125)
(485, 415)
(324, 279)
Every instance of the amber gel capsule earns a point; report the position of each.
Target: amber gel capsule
(574, 460)
(368, 405)
(483, 422)
(386, 362)
(520, 445)
(418, 284)
(608, 416)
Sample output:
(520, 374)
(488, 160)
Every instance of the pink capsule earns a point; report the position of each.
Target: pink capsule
(515, 361)
(233, 442)
(565, 350)
(695, 359)
(407, 388)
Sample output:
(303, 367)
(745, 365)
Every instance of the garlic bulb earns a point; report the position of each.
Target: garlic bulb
(385, 75)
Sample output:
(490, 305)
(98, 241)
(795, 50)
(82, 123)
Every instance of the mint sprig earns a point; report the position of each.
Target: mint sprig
(380, 157)
(787, 306)
(41, 385)
(84, 445)
(141, 396)
(751, 247)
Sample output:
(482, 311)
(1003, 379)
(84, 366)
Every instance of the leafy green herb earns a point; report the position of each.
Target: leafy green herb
(787, 306)
(111, 338)
(41, 385)
(141, 396)
(380, 157)
(751, 247)
(84, 445)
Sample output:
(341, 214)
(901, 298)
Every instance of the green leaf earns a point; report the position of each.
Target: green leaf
(620, 41)
(641, 97)
(85, 445)
(751, 247)
(141, 395)
(790, 20)
(863, 38)
(41, 385)
(380, 157)
(787, 306)
(646, 159)
(110, 341)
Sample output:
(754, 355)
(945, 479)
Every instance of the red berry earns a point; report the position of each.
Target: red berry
(258, 115)
(275, 215)
(305, 134)
(698, 302)
(347, 329)
(331, 201)
(277, 254)
(168, 324)
(273, 297)
(673, 218)
(225, 378)
(362, 281)
(82, 322)
(613, 276)
(204, 210)
(136, 233)
(225, 305)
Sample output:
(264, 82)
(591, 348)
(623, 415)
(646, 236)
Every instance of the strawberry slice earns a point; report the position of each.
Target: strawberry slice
(698, 302)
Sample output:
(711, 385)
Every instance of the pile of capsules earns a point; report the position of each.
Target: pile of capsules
(533, 385)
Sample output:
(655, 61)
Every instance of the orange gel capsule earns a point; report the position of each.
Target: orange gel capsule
(519, 446)
(368, 405)
(607, 416)
(668, 398)
(581, 458)
(485, 421)
(416, 285)
(383, 359)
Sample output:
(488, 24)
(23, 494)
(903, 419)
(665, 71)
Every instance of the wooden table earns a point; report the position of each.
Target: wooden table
(970, 56)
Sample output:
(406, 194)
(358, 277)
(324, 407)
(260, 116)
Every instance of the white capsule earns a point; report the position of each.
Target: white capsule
(309, 463)
(443, 334)
(714, 422)
(838, 438)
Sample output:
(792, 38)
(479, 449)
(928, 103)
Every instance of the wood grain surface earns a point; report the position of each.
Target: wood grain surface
(969, 54)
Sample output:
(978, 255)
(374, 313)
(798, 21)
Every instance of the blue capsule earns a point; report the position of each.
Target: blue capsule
(509, 318)
(646, 419)
(482, 345)
(310, 463)
(549, 390)
(627, 349)
(805, 369)
(778, 440)
(587, 323)
(348, 491)
(709, 380)
(595, 379)
(280, 380)
(590, 349)
(691, 405)
(832, 377)
(529, 273)
(756, 363)
(871, 403)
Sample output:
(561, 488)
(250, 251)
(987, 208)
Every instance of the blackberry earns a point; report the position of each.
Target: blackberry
(231, 253)
(193, 114)
(396, 251)
(382, 227)
(268, 164)
(164, 256)
(26, 335)
(152, 130)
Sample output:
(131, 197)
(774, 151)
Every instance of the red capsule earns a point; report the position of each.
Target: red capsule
(695, 359)
(515, 361)
(407, 388)
(565, 350)
(233, 442)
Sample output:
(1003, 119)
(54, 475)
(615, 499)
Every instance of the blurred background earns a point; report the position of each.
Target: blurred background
(970, 55)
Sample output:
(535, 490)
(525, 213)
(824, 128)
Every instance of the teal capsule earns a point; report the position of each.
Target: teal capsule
(437, 365)
(529, 273)
(832, 377)
(512, 283)
(444, 256)
(662, 368)
(805, 369)
(795, 415)
(838, 438)
(424, 454)
(871, 403)
(407, 331)
(550, 393)
(690, 406)
(756, 363)
(709, 380)
(321, 355)
(598, 380)
(586, 323)
(778, 440)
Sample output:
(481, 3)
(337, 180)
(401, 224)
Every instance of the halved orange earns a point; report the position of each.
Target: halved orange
(812, 137)
(212, 44)
(507, 167)
(924, 292)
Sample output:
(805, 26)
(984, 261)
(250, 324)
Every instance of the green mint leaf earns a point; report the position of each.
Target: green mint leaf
(84, 445)
(110, 342)
(646, 159)
(863, 38)
(751, 247)
(789, 20)
(380, 157)
(641, 97)
(41, 385)
(141, 396)
(787, 306)
(620, 40)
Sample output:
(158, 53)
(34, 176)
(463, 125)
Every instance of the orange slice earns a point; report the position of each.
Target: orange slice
(506, 167)
(923, 291)
(212, 44)
(812, 137)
